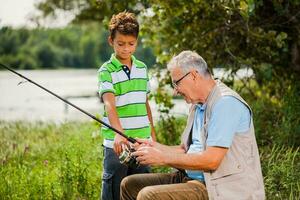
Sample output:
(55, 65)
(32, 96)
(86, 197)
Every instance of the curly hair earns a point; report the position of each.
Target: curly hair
(125, 23)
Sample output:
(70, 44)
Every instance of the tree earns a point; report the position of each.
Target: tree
(260, 34)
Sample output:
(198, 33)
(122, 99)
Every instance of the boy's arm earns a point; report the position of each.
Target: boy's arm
(149, 113)
(110, 106)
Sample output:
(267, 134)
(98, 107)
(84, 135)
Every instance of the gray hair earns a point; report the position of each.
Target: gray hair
(188, 60)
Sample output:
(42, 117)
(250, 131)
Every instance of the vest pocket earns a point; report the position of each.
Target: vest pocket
(234, 186)
(223, 172)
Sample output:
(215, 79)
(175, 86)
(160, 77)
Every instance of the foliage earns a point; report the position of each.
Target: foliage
(88, 10)
(161, 95)
(169, 130)
(231, 34)
(260, 34)
(83, 46)
(276, 119)
(49, 161)
(280, 165)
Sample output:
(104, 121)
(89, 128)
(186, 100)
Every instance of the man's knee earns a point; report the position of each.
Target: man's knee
(132, 180)
(129, 186)
(125, 183)
(137, 187)
(146, 193)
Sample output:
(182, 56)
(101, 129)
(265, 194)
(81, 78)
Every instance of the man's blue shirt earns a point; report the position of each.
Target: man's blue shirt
(229, 116)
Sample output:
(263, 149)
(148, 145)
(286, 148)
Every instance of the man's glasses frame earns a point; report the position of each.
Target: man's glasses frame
(175, 83)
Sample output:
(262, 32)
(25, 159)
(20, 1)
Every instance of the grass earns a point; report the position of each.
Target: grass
(280, 165)
(50, 161)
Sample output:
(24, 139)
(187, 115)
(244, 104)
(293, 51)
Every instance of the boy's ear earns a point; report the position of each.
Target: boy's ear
(110, 41)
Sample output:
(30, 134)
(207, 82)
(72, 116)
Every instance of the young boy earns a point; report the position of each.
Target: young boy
(123, 87)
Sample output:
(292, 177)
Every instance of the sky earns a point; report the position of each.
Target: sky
(17, 13)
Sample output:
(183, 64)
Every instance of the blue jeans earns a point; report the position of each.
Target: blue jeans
(114, 172)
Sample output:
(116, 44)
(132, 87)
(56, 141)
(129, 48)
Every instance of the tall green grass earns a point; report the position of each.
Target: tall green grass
(49, 161)
(281, 170)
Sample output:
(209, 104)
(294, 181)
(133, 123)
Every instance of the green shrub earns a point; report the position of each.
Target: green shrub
(169, 129)
(276, 117)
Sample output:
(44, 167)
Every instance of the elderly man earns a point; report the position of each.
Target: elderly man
(218, 154)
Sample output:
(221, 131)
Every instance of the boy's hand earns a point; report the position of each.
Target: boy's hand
(118, 143)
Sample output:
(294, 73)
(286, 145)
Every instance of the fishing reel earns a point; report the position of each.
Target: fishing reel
(127, 158)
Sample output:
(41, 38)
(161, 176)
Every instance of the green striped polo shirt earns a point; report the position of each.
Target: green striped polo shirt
(130, 96)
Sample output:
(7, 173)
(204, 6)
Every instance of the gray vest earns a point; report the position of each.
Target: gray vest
(239, 175)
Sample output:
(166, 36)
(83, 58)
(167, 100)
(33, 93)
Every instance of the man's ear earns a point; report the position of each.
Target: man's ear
(194, 74)
(110, 41)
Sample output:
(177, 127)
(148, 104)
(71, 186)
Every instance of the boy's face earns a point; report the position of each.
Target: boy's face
(124, 45)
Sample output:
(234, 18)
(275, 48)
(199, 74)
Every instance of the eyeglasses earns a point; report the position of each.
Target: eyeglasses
(175, 83)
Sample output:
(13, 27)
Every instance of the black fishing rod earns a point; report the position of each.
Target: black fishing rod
(126, 157)
(130, 139)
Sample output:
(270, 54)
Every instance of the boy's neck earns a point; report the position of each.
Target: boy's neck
(127, 62)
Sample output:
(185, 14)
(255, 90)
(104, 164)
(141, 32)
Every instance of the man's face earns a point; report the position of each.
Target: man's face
(183, 84)
(124, 45)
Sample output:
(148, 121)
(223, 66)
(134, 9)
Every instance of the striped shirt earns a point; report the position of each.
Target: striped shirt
(130, 90)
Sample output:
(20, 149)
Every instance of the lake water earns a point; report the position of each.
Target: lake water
(28, 102)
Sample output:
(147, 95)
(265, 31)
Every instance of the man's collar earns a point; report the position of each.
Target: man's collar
(201, 106)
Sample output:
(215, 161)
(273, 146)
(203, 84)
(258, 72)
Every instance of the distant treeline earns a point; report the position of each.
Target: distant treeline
(75, 46)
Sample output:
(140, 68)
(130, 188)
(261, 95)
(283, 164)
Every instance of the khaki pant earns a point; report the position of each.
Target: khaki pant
(162, 186)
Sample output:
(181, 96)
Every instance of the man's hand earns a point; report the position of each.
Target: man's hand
(142, 142)
(147, 142)
(149, 155)
(118, 143)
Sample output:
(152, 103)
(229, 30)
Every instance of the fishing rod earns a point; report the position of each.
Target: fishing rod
(130, 139)
(126, 157)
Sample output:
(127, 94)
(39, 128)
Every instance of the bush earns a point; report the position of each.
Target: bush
(169, 130)
(276, 113)
(278, 122)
